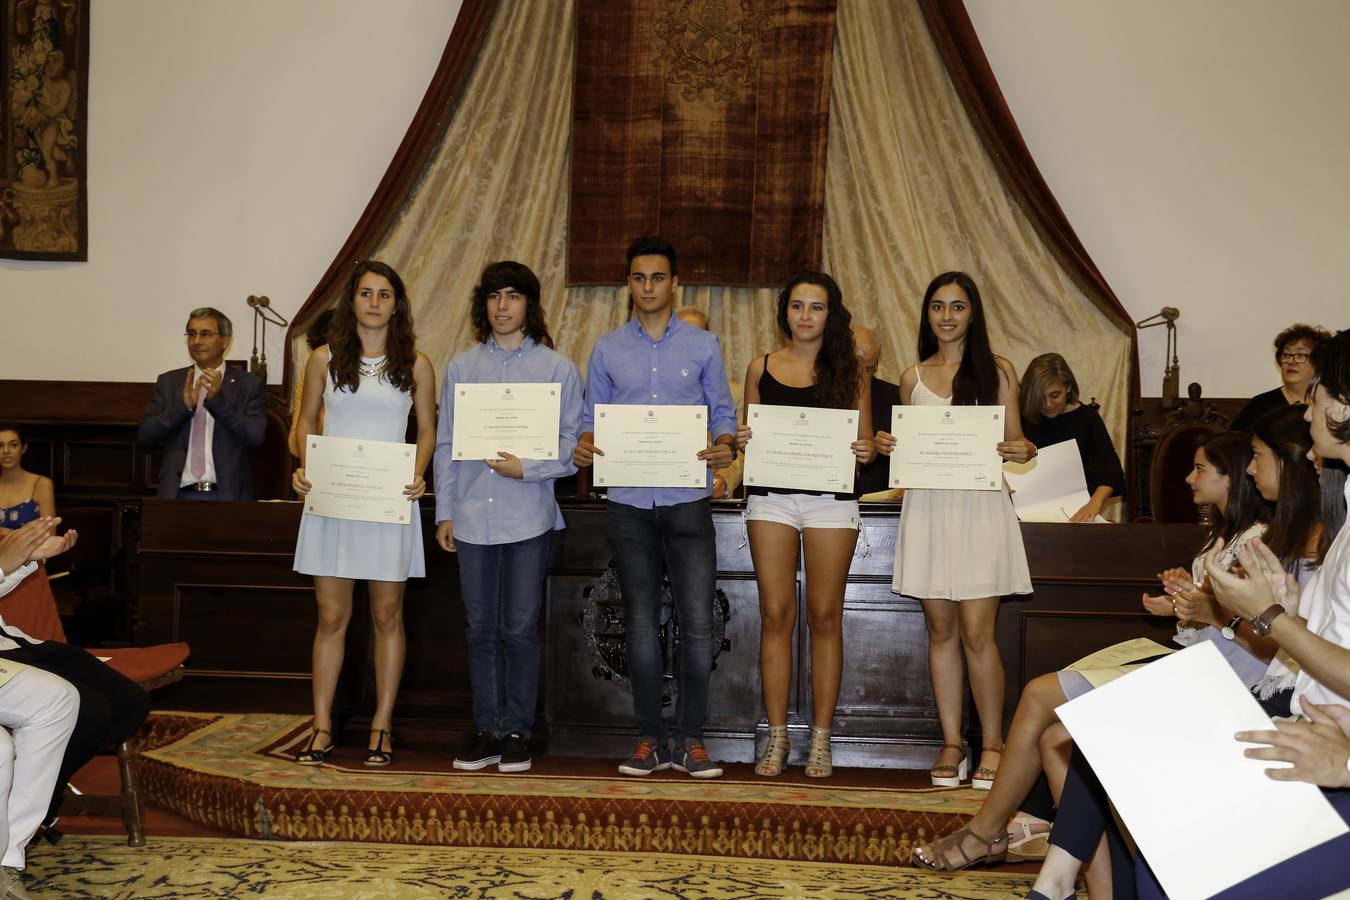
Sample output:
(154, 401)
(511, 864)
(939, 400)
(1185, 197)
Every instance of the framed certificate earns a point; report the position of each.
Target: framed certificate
(521, 419)
(801, 447)
(650, 446)
(947, 447)
(358, 479)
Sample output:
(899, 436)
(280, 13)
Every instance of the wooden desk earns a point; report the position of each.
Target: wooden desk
(219, 577)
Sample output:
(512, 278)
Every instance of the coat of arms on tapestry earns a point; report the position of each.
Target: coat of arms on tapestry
(44, 57)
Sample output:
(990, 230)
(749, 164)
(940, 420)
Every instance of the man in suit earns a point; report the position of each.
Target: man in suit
(206, 417)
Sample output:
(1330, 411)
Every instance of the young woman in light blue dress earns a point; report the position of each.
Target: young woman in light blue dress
(367, 379)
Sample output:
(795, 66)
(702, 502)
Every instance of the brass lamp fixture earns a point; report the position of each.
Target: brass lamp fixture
(1171, 385)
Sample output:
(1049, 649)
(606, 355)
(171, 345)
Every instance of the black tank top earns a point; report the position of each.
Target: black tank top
(773, 392)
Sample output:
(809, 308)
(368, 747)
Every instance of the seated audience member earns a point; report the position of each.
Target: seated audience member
(1292, 349)
(24, 496)
(38, 711)
(725, 480)
(315, 337)
(110, 706)
(206, 417)
(873, 481)
(1311, 624)
(1052, 413)
(1035, 740)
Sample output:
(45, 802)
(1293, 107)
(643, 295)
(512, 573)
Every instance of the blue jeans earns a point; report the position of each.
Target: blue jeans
(503, 587)
(679, 540)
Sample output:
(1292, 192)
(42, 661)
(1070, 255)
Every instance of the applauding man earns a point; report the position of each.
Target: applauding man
(205, 417)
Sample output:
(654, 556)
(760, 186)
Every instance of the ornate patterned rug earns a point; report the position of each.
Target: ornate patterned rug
(107, 869)
(235, 772)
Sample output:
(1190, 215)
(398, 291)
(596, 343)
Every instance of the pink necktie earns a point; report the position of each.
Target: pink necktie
(197, 440)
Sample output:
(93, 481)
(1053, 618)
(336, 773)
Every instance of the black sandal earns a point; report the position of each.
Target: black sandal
(377, 755)
(312, 755)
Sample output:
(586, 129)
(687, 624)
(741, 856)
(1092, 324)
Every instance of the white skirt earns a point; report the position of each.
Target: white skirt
(959, 545)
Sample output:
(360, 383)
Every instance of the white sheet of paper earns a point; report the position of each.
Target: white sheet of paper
(1051, 487)
(650, 446)
(359, 479)
(802, 448)
(521, 419)
(1164, 733)
(947, 447)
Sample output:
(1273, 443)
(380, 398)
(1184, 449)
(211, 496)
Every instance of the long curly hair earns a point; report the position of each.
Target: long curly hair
(400, 341)
(509, 274)
(836, 370)
(976, 381)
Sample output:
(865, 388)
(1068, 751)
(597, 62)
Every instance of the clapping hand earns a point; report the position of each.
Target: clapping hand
(1267, 582)
(34, 541)
(1319, 748)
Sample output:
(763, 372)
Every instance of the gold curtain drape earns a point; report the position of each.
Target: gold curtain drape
(910, 192)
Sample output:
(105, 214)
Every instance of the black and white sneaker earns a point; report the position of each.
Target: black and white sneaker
(515, 753)
(484, 750)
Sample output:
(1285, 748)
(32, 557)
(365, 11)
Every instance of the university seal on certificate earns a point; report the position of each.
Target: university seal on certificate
(650, 446)
(947, 447)
(802, 448)
(521, 419)
(359, 479)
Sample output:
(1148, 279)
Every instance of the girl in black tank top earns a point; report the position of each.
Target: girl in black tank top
(773, 392)
(784, 523)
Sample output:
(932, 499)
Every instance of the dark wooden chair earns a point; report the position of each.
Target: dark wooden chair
(1173, 457)
(32, 609)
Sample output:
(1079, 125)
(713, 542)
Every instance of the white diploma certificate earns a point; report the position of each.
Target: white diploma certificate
(802, 448)
(1205, 816)
(521, 419)
(650, 446)
(1051, 486)
(359, 479)
(947, 447)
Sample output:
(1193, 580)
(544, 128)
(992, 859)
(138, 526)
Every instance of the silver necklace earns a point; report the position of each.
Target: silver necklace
(371, 368)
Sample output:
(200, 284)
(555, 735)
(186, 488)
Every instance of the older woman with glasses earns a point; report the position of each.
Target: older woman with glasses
(1293, 346)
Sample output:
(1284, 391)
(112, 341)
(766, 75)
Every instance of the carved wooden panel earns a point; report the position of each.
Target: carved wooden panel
(257, 618)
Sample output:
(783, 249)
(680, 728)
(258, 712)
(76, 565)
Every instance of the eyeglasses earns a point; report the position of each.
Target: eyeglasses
(1293, 357)
(207, 334)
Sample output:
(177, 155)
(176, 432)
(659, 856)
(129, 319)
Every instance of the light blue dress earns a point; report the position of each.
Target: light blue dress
(375, 551)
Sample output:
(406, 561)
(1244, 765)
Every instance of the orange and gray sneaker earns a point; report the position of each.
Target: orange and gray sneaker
(648, 757)
(694, 760)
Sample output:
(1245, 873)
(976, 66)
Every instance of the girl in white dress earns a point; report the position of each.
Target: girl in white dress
(366, 379)
(960, 551)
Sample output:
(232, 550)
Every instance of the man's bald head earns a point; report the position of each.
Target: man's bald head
(692, 315)
(868, 347)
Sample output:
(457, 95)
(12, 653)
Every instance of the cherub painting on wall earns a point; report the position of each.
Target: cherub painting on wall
(44, 58)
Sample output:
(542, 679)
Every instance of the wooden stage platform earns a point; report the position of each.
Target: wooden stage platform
(220, 578)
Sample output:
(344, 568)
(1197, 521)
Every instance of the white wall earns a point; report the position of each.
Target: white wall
(232, 146)
(1199, 148)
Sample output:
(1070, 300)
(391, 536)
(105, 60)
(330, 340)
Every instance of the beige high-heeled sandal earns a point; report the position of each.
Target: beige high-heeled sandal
(776, 751)
(818, 761)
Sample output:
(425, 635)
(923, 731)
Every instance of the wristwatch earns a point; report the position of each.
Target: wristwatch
(1261, 623)
(1230, 630)
(734, 451)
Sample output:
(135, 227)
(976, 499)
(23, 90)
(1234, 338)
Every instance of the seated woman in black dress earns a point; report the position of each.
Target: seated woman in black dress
(1293, 346)
(1052, 413)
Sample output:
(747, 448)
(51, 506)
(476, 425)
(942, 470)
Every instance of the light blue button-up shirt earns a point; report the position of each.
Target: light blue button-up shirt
(488, 508)
(681, 368)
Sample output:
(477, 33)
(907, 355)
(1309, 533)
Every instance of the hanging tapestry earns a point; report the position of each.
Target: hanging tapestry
(703, 121)
(44, 57)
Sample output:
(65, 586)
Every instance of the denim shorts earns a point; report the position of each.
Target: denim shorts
(803, 511)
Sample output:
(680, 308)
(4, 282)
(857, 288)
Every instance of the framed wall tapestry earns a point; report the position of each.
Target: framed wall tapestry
(44, 58)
